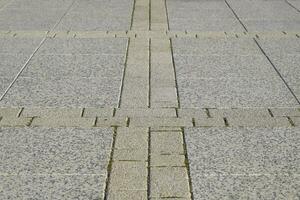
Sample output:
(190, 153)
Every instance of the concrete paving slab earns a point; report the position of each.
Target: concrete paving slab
(234, 92)
(225, 66)
(92, 15)
(68, 92)
(54, 46)
(258, 161)
(76, 65)
(214, 46)
(61, 151)
(18, 45)
(53, 186)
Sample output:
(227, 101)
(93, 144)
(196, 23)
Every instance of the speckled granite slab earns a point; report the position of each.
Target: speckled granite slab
(244, 163)
(60, 163)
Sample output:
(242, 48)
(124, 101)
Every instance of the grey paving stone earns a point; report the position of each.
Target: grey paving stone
(234, 92)
(244, 151)
(285, 55)
(128, 176)
(215, 46)
(4, 84)
(263, 10)
(10, 65)
(18, 45)
(38, 4)
(166, 143)
(223, 66)
(272, 25)
(295, 3)
(243, 162)
(53, 186)
(95, 15)
(245, 187)
(169, 182)
(150, 112)
(60, 151)
(99, 66)
(205, 25)
(62, 91)
(16, 19)
(54, 46)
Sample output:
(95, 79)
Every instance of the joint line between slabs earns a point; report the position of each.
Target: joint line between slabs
(290, 4)
(110, 163)
(187, 164)
(274, 67)
(167, 15)
(175, 74)
(149, 76)
(149, 163)
(132, 14)
(34, 52)
(124, 73)
(237, 17)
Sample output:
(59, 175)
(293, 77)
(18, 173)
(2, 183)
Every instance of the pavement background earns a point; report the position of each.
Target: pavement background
(149, 99)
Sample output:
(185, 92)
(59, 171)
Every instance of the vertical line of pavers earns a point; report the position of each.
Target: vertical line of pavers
(163, 83)
(168, 166)
(135, 92)
(129, 166)
(135, 88)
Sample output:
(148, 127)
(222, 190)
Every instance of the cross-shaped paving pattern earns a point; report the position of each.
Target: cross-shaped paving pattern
(149, 99)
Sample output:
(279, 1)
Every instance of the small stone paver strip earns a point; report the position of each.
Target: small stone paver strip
(148, 117)
(150, 34)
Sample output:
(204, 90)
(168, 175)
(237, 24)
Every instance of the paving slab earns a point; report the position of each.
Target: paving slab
(233, 92)
(258, 161)
(36, 15)
(285, 55)
(69, 92)
(92, 16)
(49, 163)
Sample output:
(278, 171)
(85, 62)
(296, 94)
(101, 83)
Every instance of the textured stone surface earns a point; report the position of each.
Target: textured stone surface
(54, 186)
(260, 161)
(169, 182)
(49, 163)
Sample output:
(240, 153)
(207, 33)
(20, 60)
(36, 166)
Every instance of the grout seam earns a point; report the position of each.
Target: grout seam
(277, 71)
(109, 167)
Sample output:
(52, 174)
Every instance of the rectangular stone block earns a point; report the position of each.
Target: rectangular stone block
(281, 112)
(193, 113)
(130, 194)
(98, 112)
(173, 160)
(128, 176)
(209, 122)
(161, 122)
(63, 122)
(147, 112)
(116, 121)
(296, 121)
(130, 155)
(134, 140)
(167, 182)
(52, 112)
(166, 143)
(259, 122)
(9, 112)
(15, 121)
(239, 112)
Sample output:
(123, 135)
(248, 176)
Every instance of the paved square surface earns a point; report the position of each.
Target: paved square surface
(149, 99)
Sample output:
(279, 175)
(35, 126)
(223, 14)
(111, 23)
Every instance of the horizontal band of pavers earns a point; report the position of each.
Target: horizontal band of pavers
(149, 34)
(150, 117)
